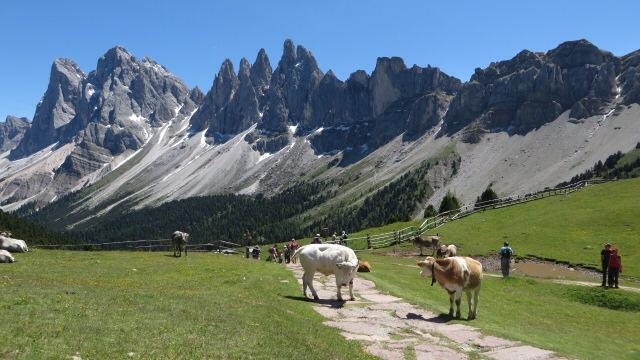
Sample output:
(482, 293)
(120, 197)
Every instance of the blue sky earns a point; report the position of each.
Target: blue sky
(192, 38)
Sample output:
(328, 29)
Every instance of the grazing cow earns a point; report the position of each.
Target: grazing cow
(428, 241)
(363, 266)
(6, 257)
(13, 245)
(179, 240)
(455, 274)
(446, 251)
(327, 259)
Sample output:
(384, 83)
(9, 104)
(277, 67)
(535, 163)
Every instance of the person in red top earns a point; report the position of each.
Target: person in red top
(615, 268)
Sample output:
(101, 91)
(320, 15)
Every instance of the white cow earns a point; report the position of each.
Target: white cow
(327, 259)
(13, 245)
(6, 257)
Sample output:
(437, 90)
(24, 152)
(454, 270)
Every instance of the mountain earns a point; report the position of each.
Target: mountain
(11, 132)
(130, 135)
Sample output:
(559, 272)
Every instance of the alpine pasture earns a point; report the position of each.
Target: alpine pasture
(59, 304)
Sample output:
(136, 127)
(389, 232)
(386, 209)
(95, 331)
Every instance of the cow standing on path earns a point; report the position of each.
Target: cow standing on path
(455, 274)
(327, 259)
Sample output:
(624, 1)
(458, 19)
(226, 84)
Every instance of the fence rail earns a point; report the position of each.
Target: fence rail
(432, 223)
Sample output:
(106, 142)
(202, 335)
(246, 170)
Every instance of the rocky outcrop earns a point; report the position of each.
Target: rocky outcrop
(233, 103)
(56, 109)
(260, 74)
(532, 89)
(11, 132)
(196, 96)
(365, 112)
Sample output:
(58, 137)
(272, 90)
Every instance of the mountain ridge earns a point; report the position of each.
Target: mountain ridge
(259, 130)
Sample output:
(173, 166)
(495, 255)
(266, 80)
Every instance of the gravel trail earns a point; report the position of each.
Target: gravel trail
(390, 328)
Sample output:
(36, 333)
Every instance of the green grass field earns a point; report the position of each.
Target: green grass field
(575, 321)
(57, 304)
(107, 305)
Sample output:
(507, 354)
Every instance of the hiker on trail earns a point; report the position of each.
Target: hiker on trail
(273, 253)
(287, 253)
(605, 254)
(505, 259)
(615, 268)
(316, 239)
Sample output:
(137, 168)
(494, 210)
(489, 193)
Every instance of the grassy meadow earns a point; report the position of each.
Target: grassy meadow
(575, 321)
(95, 305)
(569, 227)
(135, 305)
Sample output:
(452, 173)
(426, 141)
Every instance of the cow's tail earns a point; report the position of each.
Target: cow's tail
(296, 254)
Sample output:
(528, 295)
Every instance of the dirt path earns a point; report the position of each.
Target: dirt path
(391, 328)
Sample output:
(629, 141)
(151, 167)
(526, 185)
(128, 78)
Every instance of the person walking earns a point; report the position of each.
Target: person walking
(316, 239)
(615, 268)
(505, 259)
(605, 254)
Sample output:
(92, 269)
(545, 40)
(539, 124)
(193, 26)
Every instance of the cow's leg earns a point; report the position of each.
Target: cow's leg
(351, 290)
(476, 298)
(452, 294)
(471, 315)
(307, 279)
(458, 300)
(185, 249)
(339, 292)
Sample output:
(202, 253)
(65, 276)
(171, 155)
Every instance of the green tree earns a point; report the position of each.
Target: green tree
(487, 195)
(430, 211)
(449, 203)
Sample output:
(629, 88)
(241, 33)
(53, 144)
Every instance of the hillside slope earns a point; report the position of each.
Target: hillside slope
(569, 228)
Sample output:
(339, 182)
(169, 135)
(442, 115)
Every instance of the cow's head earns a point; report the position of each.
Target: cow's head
(427, 267)
(345, 273)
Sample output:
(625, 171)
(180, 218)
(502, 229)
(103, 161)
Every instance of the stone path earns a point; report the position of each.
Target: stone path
(393, 329)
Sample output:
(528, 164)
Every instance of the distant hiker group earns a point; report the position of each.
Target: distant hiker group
(611, 266)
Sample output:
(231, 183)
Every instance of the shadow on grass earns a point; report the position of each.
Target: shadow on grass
(442, 318)
(334, 304)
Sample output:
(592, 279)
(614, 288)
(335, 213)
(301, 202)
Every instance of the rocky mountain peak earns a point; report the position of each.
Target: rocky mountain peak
(531, 89)
(245, 69)
(261, 72)
(577, 53)
(288, 52)
(113, 61)
(196, 96)
(55, 110)
(11, 131)
(225, 84)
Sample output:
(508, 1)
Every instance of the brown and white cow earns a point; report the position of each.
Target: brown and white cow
(427, 241)
(455, 275)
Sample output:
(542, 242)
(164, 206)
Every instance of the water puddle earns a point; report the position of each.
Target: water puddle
(551, 270)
